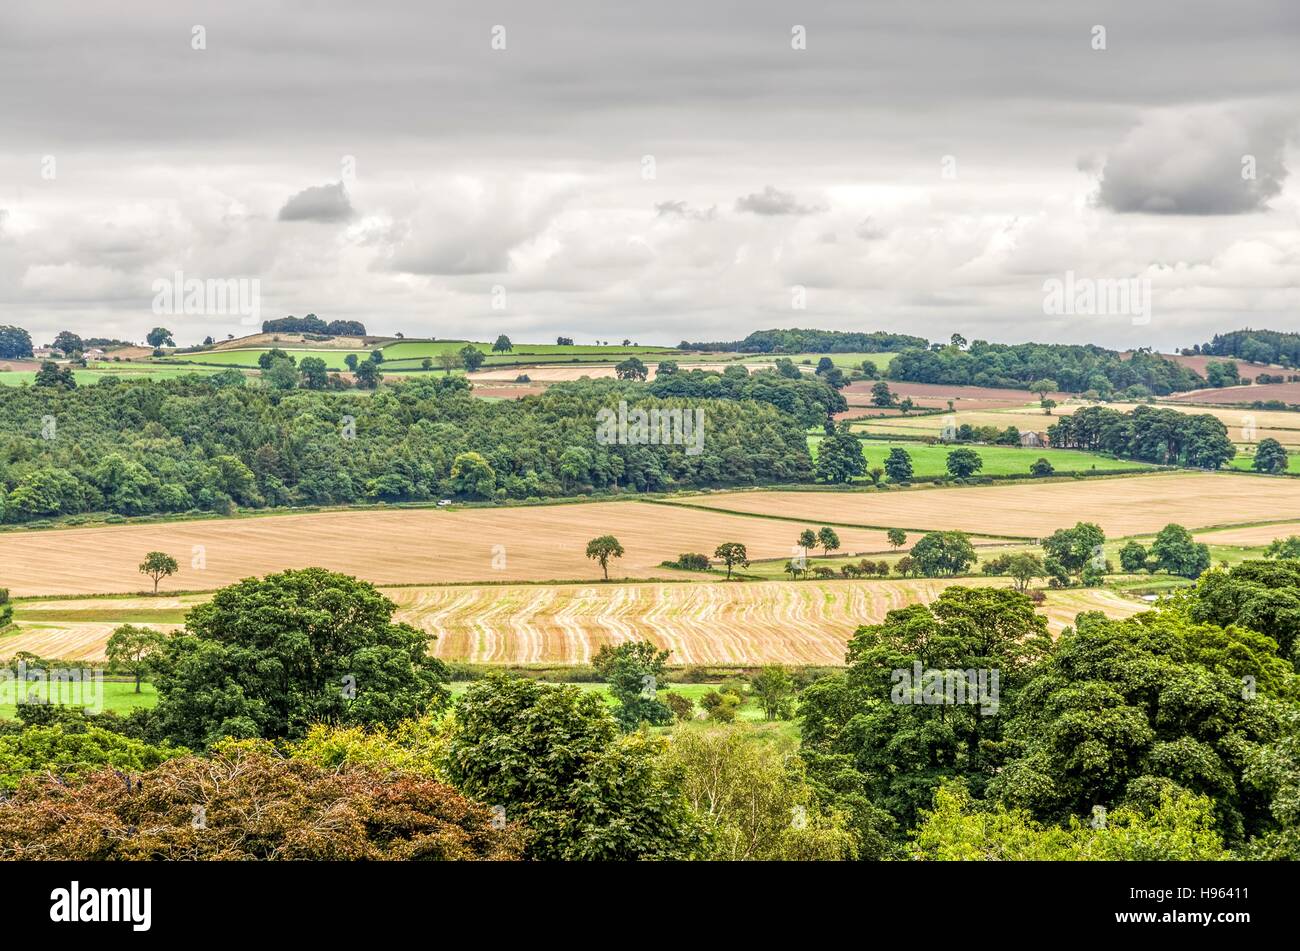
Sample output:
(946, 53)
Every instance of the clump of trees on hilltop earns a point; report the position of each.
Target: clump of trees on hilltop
(311, 324)
(1075, 369)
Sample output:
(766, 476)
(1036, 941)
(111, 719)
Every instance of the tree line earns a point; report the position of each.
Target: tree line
(218, 443)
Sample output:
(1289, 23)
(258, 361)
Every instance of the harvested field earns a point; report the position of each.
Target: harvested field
(403, 546)
(507, 392)
(807, 622)
(1250, 536)
(1200, 363)
(1244, 426)
(559, 374)
(1286, 392)
(1062, 607)
(1127, 505)
(937, 395)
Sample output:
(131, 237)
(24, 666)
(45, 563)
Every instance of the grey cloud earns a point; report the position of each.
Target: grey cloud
(772, 201)
(1194, 162)
(324, 203)
(679, 209)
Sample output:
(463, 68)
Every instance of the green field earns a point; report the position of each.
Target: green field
(1244, 462)
(929, 460)
(118, 697)
(100, 371)
(121, 698)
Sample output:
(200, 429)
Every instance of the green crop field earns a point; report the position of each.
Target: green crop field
(1245, 461)
(101, 371)
(931, 460)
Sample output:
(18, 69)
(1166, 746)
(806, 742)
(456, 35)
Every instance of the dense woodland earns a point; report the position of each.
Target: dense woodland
(813, 341)
(1074, 369)
(1256, 346)
(216, 443)
(1152, 434)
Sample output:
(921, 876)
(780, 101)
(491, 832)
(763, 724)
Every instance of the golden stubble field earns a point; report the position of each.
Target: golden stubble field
(407, 546)
(1244, 425)
(1129, 505)
(750, 623)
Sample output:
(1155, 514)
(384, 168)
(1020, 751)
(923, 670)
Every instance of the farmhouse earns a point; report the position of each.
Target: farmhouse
(46, 353)
(1031, 438)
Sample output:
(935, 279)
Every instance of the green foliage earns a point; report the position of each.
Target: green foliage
(158, 565)
(15, 343)
(732, 554)
(1288, 547)
(1261, 595)
(1124, 712)
(133, 650)
(775, 690)
(553, 758)
(634, 671)
(1176, 552)
(1159, 435)
(631, 369)
(1041, 468)
(69, 750)
(964, 463)
(840, 457)
(943, 553)
(814, 341)
(898, 465)
(602, 549)
(1075, 550)
(1270, 456)
(269, 657)
(865, 733)
(1180, 828)
(142, 447)
(1072, 368)
(757, 804)
(1133, 556)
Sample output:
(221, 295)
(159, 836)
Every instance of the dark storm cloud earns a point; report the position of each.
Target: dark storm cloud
(324, 203)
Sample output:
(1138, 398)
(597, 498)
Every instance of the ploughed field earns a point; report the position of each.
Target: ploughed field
(395, 546)
(1125, 505)
(749, 623)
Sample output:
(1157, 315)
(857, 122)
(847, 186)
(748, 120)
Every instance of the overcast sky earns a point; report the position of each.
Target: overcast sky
(655, 171)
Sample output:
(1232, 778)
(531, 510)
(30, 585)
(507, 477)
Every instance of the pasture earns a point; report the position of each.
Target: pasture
(929, 460)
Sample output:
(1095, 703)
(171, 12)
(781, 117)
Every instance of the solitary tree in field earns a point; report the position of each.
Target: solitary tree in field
(351, 361)
(1042, 387)
(807, 540)
(897, 538)
(158, 565)
(1270, 456)
(602, 549)
(964, 463)
(502, 345)
(880, 395)
(827, 539)
(732, 553)
(898, 465)
(132, 649)
(448, 361)
(472, 357)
